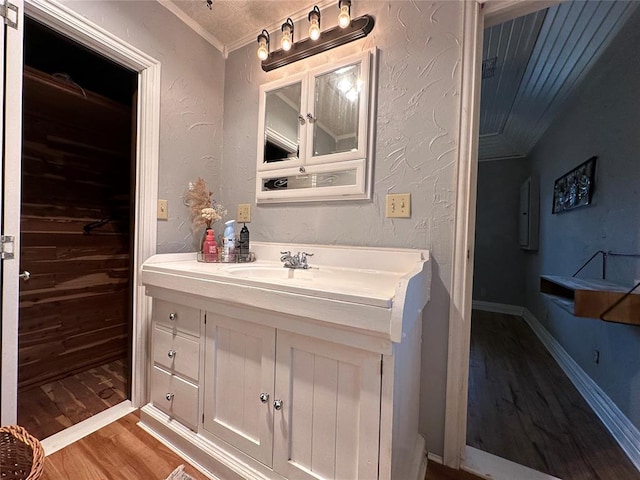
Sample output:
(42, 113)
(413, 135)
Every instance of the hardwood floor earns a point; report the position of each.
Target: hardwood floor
(52, 407)
(522, 407)
(119, 451)
(123, 451)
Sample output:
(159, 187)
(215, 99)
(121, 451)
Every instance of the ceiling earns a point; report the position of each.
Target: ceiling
(538, 59)
(231, 24)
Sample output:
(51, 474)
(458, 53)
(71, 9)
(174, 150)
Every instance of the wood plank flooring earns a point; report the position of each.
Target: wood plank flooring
(119, 451)
(123, 451)
(522, 407)
(52, 407)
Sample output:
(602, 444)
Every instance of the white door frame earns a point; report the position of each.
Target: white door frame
(73, 25)
(11, 151)
(475, 16)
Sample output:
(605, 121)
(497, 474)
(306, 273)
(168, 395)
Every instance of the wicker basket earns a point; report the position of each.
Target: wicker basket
(21, 455)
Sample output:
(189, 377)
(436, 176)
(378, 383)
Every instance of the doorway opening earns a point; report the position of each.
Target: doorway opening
(536, 365)
(77, 233)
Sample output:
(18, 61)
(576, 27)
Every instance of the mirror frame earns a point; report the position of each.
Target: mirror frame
(360, 159)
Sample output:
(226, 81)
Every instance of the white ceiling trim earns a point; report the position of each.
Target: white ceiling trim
(193, 25)
(500, 11)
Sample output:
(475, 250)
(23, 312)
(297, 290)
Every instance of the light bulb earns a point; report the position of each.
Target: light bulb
(344, 85)
(314, 30)
(287, 35)
(286, 42)
(263, 53)
(263, 45)
(352, 95)
(344, 19)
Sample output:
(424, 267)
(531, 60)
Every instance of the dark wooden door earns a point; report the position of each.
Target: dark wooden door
(76, 229)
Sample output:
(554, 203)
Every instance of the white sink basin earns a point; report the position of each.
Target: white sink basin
(269, 272)
(377, 285)
(357, 286)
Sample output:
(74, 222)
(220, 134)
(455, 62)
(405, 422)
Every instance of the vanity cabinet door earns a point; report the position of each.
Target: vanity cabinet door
(239, 369)
(329, 421)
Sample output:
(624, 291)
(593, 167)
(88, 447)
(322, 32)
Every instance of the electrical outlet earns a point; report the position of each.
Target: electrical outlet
(244, 213)
(398, 205)
(163, 210)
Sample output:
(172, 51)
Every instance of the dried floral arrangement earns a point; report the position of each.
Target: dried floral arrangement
(203, 208)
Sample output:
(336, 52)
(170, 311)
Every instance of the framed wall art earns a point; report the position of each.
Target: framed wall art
(575, 188)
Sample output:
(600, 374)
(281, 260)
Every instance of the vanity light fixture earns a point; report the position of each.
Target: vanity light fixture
(344, 19)
(263, 45)
(334, 37)
(287, 35)
(314, 20)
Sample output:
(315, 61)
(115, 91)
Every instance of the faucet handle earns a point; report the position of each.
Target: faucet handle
(307, 254)
(286, 256)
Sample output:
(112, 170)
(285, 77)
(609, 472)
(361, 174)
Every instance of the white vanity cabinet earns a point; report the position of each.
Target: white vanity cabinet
(239, 368)
(263, 373)
(329, 421)
(176, 361)
(309, 409)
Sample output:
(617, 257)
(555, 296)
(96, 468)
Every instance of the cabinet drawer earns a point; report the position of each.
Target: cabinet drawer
(179, 354)
(177, 317)
(175, 396)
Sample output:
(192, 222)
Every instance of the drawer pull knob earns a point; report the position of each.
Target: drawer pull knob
(277, 404)
(169, 397)
(173, 316)
(264, 397)
(171, 353)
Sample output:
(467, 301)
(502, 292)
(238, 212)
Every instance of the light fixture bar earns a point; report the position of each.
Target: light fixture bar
(334, 37)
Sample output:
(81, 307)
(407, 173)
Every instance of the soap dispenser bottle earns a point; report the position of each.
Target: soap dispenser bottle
(229, 241)
(244, 243)
(210, 248)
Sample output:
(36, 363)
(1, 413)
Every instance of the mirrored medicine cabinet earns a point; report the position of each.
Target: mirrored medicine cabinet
(314, 133)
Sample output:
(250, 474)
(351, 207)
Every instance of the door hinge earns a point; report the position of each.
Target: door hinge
(203, 418)
(6, 247)
(5, 12)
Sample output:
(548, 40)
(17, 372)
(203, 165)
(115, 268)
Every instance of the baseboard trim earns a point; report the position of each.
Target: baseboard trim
(418, 469)
(80, 430)
(498, 307)
(478, 462)
(622, 430)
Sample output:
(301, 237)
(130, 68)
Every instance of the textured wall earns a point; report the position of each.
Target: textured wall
(415, 151)
(499, 263)
(191, 102)
(602, 120)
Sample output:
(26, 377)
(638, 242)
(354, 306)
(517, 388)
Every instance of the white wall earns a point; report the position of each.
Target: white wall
(603, 119)
(499, 263)
(416, 130)
(191, 107)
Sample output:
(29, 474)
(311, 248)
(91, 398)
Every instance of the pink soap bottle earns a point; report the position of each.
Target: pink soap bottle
(210, 248)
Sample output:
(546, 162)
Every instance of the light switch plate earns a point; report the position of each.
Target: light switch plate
(398, 205)
(163, 210)
(244, 213)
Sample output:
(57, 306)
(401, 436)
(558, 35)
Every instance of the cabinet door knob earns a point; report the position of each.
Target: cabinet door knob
(310, 118)
(171, 353)
(173, 316)
(264, 397)
(277, 404)
(169, 397)
(301, 118)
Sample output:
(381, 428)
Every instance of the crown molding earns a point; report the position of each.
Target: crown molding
(193, 25)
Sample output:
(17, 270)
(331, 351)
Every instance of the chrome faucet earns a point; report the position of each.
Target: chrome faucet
(299, 260)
